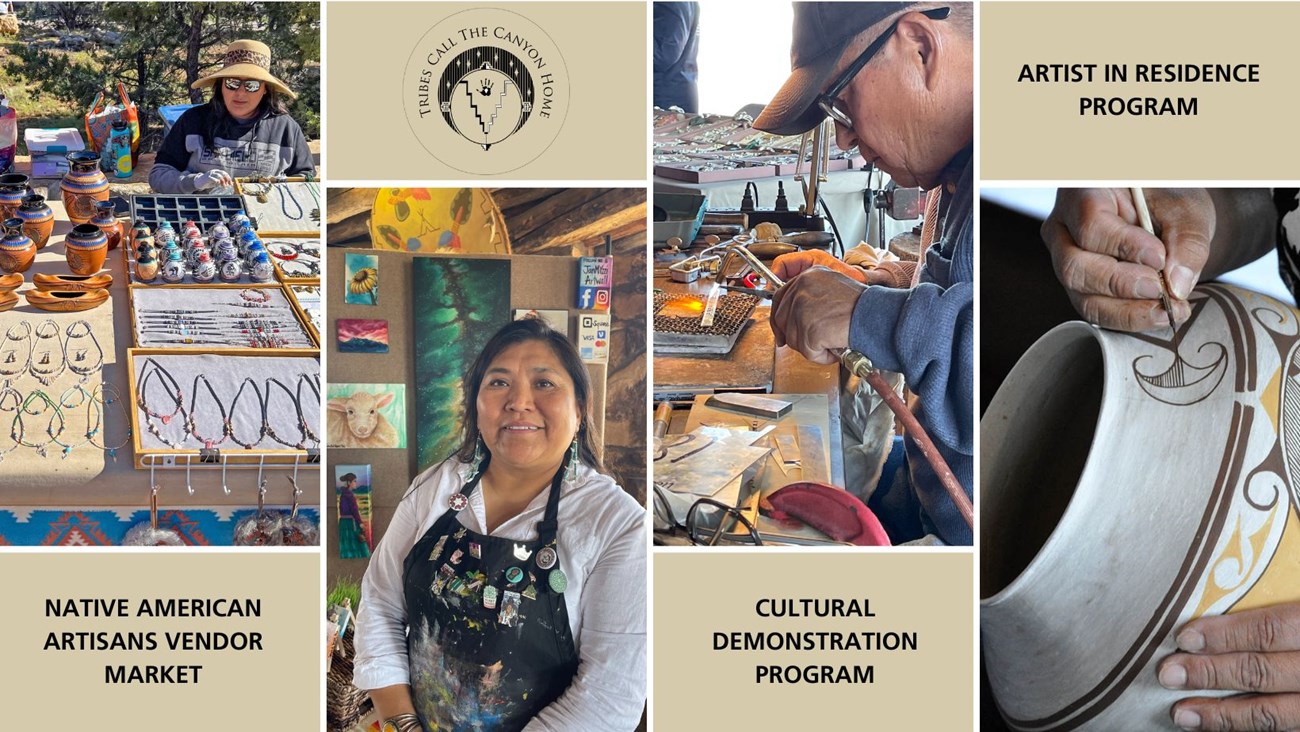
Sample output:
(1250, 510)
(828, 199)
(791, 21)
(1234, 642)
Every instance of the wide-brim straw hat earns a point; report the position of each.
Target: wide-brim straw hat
(246, 60)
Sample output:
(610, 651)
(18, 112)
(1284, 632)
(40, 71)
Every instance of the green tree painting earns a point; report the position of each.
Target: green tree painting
(459, 304)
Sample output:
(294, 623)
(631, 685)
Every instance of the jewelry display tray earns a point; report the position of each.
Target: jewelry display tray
(291, 275)
(215, 298)
(226, 371)
(271, 218)
(202, 210)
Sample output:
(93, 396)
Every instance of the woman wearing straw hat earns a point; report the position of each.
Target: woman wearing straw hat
(245, 131)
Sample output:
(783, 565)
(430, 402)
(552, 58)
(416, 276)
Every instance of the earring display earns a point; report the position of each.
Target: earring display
(282, 207)
(232, 403)
(308, 299)
(217, 317)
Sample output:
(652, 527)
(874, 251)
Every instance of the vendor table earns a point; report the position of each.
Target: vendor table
(88, 480)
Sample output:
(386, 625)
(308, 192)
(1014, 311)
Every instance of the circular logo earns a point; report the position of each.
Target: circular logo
(486, 91)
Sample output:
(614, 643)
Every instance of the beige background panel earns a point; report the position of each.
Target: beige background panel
(1034, 130)
(277, 688)
(697, 593)
(604, 49)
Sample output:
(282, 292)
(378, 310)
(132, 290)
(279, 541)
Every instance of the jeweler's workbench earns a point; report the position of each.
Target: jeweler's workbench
(76, 476)
(754, 366)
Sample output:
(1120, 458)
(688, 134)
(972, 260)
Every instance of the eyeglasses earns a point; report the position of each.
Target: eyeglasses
(250, 85)
(708, 522)
(829, 100)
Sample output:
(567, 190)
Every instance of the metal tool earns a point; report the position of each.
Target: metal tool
(861, 366)
(1144, 216)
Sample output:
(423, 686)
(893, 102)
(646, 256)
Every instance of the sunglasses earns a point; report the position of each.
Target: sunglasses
(250, 85)
(829, 101)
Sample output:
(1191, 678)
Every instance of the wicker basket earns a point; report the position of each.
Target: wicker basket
(344, 704)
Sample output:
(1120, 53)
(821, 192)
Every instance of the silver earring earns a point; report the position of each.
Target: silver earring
(571, 473)
(474, 464)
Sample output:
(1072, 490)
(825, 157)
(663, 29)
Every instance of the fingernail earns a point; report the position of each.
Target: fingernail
(1148, 289)
(1187, 719)
(1191, 640)
(1173, 676)
(1181, 281)
(1152, 257)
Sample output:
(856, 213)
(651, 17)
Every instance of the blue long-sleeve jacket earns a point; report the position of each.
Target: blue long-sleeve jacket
(927, 334)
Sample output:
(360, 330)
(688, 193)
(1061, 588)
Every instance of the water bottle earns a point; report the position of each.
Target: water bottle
(119, 148)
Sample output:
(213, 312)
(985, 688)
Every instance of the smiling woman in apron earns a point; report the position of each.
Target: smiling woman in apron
(509, 589)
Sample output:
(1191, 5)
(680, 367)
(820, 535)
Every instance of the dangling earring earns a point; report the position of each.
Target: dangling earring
(571, 472)
(474, 464)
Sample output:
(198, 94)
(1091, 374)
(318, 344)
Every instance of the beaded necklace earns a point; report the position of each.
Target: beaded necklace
(175, 395)
(26, 336)
(261, 432)
(191, 425)
(83, 371)
(47, 377)
(6, 392)
(103, 400)
(78, 391)
(266, 423)
(18, 429)
(307, 432)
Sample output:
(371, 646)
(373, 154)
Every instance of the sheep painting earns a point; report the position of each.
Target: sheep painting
(367, 415)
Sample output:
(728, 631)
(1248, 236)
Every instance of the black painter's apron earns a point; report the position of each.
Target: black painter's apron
(489, 642)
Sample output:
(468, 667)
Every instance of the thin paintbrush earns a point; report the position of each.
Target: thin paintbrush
(1144, 216)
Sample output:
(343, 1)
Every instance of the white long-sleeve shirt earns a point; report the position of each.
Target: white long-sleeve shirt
(601, 543)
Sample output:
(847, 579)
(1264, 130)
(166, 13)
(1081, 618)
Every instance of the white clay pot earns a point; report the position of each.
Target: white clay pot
(1130, 483)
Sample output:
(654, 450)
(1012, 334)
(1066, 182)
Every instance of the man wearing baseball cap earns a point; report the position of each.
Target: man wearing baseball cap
(897, 80)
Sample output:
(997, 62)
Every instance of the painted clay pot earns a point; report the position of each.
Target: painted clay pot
(146, 265)
(138, 230)
(106, 220)
(204, 269)
(1131, 483)
(38, 219)
(165, 235)
(13, 187)
(83, 186)
(173, 267)
(85, 247)
(17, 251)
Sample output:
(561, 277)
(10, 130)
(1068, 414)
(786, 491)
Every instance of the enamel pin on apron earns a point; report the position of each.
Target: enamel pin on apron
(546, 557)
(458, 501)
(522, 552)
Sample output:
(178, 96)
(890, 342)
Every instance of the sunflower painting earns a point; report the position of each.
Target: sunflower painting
(362, 271)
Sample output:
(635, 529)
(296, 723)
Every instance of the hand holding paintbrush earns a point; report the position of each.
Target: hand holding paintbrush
(1111, 266)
